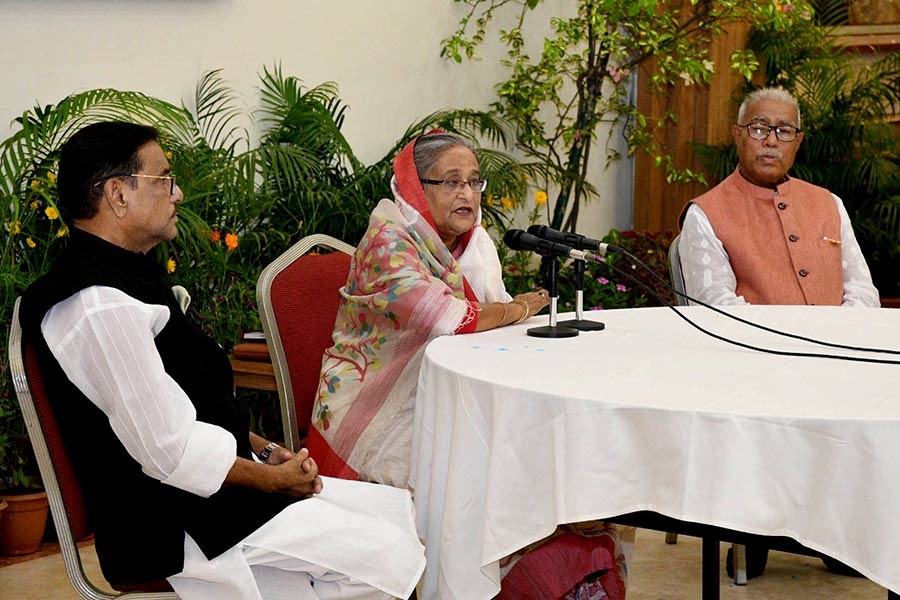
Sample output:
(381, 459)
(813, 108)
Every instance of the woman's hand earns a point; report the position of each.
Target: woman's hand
(498, 314)
(533, 301)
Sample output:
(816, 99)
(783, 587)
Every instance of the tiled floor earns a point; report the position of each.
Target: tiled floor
(659, 572)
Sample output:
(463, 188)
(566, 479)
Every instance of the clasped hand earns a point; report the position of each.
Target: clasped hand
(298, 472)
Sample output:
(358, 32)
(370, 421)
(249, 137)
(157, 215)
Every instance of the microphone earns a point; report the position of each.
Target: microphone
(516, 239)
(572, 240)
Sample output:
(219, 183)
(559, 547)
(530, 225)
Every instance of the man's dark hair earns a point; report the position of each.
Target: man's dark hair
(93, 155)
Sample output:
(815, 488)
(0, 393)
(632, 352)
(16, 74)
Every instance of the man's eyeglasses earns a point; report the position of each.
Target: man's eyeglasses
(760, 131)
(452, 185)
(170, 178)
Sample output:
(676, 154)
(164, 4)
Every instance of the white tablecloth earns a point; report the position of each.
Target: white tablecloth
(515, 434)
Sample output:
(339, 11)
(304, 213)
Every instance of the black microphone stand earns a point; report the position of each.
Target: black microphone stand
(550, 269)
(579, 322)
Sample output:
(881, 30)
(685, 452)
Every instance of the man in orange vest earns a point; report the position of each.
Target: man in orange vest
(762, 237)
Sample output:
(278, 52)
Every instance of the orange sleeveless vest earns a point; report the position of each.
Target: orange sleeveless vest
(783, 244)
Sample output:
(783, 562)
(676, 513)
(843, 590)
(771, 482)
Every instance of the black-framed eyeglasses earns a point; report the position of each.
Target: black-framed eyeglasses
(170, 178)
(478, 185)
(760, 131)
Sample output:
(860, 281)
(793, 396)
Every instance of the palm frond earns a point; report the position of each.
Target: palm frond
(215, 111)
(311, 119)
(35, 146)
(478, 126)
(831, 12)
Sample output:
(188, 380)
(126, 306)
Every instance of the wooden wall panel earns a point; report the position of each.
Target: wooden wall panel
(703, 114)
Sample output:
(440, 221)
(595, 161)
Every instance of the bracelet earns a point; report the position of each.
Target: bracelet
(524, 306)
(503, 318)
(264, 455)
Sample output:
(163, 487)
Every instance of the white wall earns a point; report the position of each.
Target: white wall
(383, 54)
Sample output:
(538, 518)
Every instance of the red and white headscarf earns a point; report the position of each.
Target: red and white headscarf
(405, 288)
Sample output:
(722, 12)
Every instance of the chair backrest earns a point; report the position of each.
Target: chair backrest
(675, 271)
(298, 301)
(70, 516)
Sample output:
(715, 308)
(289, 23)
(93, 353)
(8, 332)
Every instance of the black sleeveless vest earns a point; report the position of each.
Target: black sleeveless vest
(139, 522)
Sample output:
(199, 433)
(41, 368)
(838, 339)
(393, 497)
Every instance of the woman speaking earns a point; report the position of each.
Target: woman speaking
(425, 268)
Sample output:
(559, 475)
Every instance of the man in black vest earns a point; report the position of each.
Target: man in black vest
(176, 485)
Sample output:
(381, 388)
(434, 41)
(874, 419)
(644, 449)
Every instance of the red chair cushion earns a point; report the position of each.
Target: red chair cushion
(73, 498)
(305, 301)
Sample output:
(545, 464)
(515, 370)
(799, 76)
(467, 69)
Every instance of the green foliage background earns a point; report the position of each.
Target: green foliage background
(244, 203)
(562, 95)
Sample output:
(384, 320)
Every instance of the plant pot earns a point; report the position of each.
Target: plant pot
(23, 523)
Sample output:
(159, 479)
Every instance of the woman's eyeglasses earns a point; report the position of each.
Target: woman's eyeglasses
(452, 185)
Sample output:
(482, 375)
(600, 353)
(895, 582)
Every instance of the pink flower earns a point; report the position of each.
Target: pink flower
(621, 288)
(616, 73)
(602, 280)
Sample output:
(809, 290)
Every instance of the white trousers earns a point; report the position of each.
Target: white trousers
(355, 540)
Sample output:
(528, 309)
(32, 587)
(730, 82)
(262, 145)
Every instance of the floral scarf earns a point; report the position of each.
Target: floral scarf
(405, 288)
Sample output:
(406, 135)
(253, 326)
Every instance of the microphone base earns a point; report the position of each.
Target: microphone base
(552, 331)
(583, 325)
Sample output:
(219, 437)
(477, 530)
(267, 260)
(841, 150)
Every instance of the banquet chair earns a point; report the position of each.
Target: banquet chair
(675, 272)
(298, 301)
(739, 551)
(67, 506)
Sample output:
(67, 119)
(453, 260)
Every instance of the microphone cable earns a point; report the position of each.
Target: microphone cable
(722, 338)
(635, 259)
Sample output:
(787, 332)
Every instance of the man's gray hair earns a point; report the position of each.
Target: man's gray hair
(429, 148)
(769, 93)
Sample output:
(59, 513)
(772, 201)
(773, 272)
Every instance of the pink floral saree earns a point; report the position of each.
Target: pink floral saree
(405, 288)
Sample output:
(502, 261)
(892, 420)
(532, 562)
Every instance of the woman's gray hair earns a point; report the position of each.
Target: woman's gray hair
(429, 148)
(769, 93)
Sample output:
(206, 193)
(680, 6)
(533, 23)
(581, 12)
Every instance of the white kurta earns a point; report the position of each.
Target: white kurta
(708, 275)
(353, 540)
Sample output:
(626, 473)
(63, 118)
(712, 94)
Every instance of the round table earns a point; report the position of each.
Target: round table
(516, 434)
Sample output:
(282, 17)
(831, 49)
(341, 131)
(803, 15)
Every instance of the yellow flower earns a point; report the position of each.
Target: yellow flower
(51, 176)
(62, 231)
(540, 197)
(169, 154)
(489, 200)
(170, 265)
(30, 243)
(34, 205)
(231, 241)
(13, 227)
(51, 213)
(507, 203)
(35, 184)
